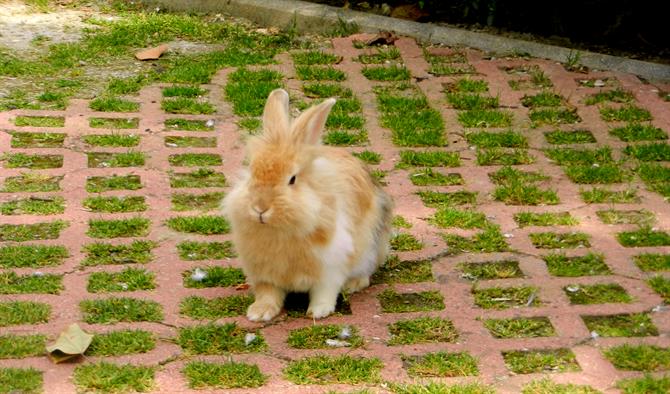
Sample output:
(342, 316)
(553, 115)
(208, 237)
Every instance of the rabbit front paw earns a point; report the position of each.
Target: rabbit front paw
(262, 311)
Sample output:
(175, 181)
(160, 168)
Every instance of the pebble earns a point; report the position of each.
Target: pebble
(38, 273)
(210, 123)
(198, 275)
(337, 343)
(249, 338)
(572, 289)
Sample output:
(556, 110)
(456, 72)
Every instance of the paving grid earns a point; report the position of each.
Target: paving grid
(367, 316)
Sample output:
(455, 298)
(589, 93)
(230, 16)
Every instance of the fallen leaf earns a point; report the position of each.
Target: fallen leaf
(151, 53)
(70, 343)
(383, 38)
(243, 286)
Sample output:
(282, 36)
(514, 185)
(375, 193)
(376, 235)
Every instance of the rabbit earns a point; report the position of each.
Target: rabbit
(305, 217)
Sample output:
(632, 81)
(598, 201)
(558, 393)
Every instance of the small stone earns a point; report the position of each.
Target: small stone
(508, 235)
(376, 316)
(345, 333)
(171, 145)
(595, 165)
(337, 343)
(594, 335)
(38, 273)
(572, 289)
(249, 338)
(198, 275)
(210, 123)
(599, 83)
(124, 286)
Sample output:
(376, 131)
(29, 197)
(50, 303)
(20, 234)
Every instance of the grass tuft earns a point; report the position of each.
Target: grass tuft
(217, 339)
(324, 369)
(422, 330)
(112, 378)
(118, 309)
(632, 325)
(441, 364)
(520, 327)
(534, 361)
(206, 375)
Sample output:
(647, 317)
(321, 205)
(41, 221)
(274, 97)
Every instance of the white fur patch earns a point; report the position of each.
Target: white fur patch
(341, 246)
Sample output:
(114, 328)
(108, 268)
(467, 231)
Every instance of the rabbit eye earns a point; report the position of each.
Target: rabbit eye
(292, 180)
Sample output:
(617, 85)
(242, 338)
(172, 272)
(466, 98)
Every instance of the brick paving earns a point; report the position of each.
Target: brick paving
(366, 314)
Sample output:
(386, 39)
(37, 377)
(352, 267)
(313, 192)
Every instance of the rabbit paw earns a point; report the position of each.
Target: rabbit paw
(319, 311)
(262, 311)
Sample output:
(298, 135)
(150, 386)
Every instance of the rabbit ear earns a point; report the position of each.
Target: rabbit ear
(275, 116)
(308, 126)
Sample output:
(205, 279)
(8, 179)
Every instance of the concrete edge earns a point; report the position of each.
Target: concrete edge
(318, 18)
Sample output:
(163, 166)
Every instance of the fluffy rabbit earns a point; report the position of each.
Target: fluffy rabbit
(305, 217)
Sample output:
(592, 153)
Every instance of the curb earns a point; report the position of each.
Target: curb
(318, 18)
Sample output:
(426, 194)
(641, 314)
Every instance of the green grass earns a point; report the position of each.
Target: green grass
(106, 160)
(392, 302)
(114, 123)
(206, 375)
(185, 105)
(130, 279)
(649, 152)
(322, 369)
(345, 138)
(532, 327)
(544, 99)
(525, 219)
(200, 308)
(628, 113)
(655, 176)
(661, 286)
(248, 90)
(596, 294)
(21, 380)
(383, 55)
(517, 188)
(112, 140)
(422, 330)
(33, 162)
(131, 85)
(99, 184)
(39, 121)
(218, 339)
(647, 262)
(503, 269)
(31, 182)
(411, 158)
(33, 206)
(615, 96)
(115, 204)
(551, 240)
(187, 125)
(441, 388)
(195, 159)
(23, 312)
(113, 104)
(32, 256)
(116, 228)
(438, 199)
(314, 57)
(190, 142)
(645, 385)
(202, 202)
(485, 118)
(639, 357)
(589, 264)
(643, 237)
(252, 125)
(502, 157)
(121, 342)
(638, 132)
(112, 378)
(30, 232)
(183, 91)
(505, 298)
(543, 360)
(560, 137)
(546, 386)
(568, 156)
(594, 174)
(200, 178)
(319, 73)
(369, 157)
(447, 217)
(430, 177)
(395, 270)
(640, 217)
(440, 69)
(325, 90)
(120, 309)
(11, 283)
(20, 346)
(470, 101)
(216, 276)
(632, 325)
(400, 222)
(404, 242)
(191, 250)
(553, 116)
(488, 241)
(315, 336)
(137, 252)
(599, 195)
(503, 139)
(205, 225)
(390, 73)
(468, 85)
(441, 364)
(37, 140)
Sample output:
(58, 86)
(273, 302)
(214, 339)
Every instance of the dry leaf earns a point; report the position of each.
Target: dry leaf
(383, 38)
(243, 286)
(70, 343)
(151, 53)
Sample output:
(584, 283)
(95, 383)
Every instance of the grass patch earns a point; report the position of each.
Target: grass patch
(488, 241)
(441, 388)
(137, 252)
(116, 228)
(122, 342)
(183, 91)
(632, 325)
(447, 217)
(615, 96)
(655, 176)
(324, 90)
(551, 240)
(113, 104)
(120, 309)
(422, 330)
(201, 308)
(113, 378)
(114, 123)
(532, 327)
(381, 56)
(130, 279)
(188, 125)
(200, 178)
(599, 196)
(206, 375)
(39, 121)
(30, 283)
(314, 57)
(37, 140)
(218, 339)
(441, 364)
(430, 177)
(546, 386)
(345, 138)
(33, 162)
(503, 139)
(122, 86)
(661, 286)
(32, 256)
(596, 294)
(214, 276)
(645, 385)
(112, 140)
(392, 302)
(185, 105)
(205, 225)
(404, 242)
(190, 142)
(390, 73)
(23, 312)
(628, 113)
(202, 202)
(410, 158)
(590, 264)
(21, 380)
(640, 217)
(195, 159)
(468, 85)
(649, 152)
(647, 262)
(560, 137)
(544, 360)
(505, 298)
(115, 204)
(501, 157)
(517, 188)
(485, 118)
(191, 250)
(31, 232)
(315, 336)
(324, 369)
(525, 219)
(33, 206)
(544, 99)
(639, 357)
(395, 270)
(106, 160)
(638, 132)
(438, 199)
(504, 269)
(553, 116)
(248, 90)
(369, 157)
(643, 237)
(470, 101)
(319, 73)
(20, 346)
(99, 184)
(400, 222)
(567, 156)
